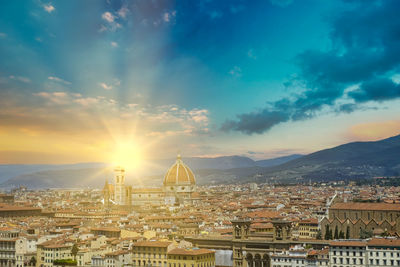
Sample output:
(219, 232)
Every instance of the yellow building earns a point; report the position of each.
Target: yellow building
(49, 251)
(308, 229)
(191, 257)
(151, 253)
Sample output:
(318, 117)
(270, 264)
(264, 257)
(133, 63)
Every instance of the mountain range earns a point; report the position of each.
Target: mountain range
(349, 161)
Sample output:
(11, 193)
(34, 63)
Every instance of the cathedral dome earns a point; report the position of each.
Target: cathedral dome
(179, 174)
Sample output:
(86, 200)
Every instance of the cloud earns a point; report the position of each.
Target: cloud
(54, 97)
(376, 89)
(20, 78)
(168, 16)
(3, 35)
(236, 72)
(78, 110)
(110, 19)
(365, 54)
(123, 12)
(56, 79)
(105, 86)
(87, 101)
(114, 44)
(107, 16)
(49, 8)
(257, 122)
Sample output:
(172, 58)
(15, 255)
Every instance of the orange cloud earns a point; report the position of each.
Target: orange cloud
(374, 130)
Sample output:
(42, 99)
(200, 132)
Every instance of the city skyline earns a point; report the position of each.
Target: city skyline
(129, 81)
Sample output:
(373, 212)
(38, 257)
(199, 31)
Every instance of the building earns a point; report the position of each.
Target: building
(299, 257)
(148, 196)
(348, 253)
(54, 249)
(118, 258)
(254, 248)
(308, 229)
(179, 183)
(118, 193)
(383, 252)
(362, 253)
(19, 211)
(8, 238)
(6, 198)
(110, 232)
(151, 253)
(191, 257)
(25, 250)
(178, 186)
(354, 219)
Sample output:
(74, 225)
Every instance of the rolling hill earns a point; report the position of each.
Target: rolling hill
(349, 161)
(214, 170)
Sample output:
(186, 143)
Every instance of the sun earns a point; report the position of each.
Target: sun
(127, 154)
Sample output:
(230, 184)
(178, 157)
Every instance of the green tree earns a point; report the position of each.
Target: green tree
(74, 251)
(65, 262)
(341, 234)
(330, 234)
(326, 237)
(319, 235)
(347, 232)
(336, 236)
(32, 262)
(364, 233)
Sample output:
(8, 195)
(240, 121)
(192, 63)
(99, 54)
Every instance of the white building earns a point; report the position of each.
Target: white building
(346, 253)
(361, 253)
(299, 257)
(383, 252)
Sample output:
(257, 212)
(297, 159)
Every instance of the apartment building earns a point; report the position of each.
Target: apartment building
(151, 253)
(191, 257)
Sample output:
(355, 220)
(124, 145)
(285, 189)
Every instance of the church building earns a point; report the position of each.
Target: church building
(178, 187)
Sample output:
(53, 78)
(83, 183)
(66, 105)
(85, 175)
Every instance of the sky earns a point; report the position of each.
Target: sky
(128, 81)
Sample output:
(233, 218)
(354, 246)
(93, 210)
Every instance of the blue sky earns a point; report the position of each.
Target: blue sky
(255, 78)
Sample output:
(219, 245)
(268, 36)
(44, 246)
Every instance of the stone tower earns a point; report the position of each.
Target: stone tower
(119, 192)
(241, 230)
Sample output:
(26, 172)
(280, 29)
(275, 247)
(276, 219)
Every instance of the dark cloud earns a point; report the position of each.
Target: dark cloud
(365, 52)
(379, 89)
(256, 122)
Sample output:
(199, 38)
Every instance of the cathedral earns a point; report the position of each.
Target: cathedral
(178, 187)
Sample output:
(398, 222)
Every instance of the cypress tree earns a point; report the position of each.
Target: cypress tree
(341, 235)
(336, 236)
(326, 237)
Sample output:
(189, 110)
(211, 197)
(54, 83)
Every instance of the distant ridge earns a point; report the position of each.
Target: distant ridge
(277, 161)
(67, 175)
(351, 161)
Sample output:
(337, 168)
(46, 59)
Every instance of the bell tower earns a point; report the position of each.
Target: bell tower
(120, 193)
(241, 230)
